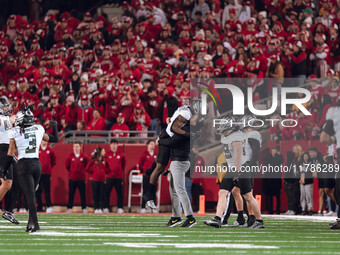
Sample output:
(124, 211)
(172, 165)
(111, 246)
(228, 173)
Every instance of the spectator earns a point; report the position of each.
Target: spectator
(145, 162)
(48, 160)
(140, 120)
(306, 186)
(97, 167)
(272, 183)
(116, 164)
(98, 122)
(202, 7)
(85, 111)
(276, 71)
(76, 164)
(120, 126)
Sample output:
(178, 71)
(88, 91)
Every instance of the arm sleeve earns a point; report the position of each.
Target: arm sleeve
(255, 147)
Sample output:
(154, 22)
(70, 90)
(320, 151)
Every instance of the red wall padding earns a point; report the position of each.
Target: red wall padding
(59, 184)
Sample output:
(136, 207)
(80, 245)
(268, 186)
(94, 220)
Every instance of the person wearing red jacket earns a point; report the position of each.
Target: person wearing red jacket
(145, 162)
(98, 168)
(85, 111)
(116, 164)
(47, 158)
(120, 126)
(98, 122)
(76, 164)
(140, 120)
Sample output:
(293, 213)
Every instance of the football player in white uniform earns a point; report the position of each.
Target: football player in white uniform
(9, 181)
(253, 141)
(27, 137)
(233, 141)
(331, 135)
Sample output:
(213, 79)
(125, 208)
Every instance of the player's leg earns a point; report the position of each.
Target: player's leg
(229, 208)
(321, 198)
(72, 187)
(29, 175)
(11, 195)
(240, 221)
(225, 187)
(4, 187)
(108, 189)
(245, 186)
(175, 206)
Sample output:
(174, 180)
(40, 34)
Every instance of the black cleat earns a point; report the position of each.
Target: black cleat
(189, 223)
(335, 225)
(36, 228)
(257, 225)
(151, 204)
(213, 223)
(174, 222)
(10, 217)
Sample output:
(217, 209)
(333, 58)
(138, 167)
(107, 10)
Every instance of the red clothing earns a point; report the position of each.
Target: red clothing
(120, 127)
(97, 170)
(85, 114)
(71, 115)
(116, 163)
(184, 97)
(317, 92)
(98, 124)
(146, 160)
(152, 107)
(47, 159)
(199, 163)
(76, 166)
(334, 94)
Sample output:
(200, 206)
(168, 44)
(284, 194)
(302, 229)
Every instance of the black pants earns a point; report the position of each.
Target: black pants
(11, 195)
(98, 193)
(146, 180)
(196, 190)
(72, 188)
(269, 201)
(117, 183)
(29, 174)
(292, 190)
(21, 200)
(44, 185)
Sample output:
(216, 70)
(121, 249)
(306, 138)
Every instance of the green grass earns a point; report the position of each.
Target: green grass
(136, 234)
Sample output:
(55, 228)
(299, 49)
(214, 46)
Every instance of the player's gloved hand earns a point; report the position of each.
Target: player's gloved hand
(165, 173)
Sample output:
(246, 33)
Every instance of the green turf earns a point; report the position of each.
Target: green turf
(110, 234)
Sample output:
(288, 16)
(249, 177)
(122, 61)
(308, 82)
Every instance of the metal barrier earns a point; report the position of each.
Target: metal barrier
(104, 136)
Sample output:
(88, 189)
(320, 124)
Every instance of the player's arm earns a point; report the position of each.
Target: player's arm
(54, 137)
(327, 134)
(237, 148)
(255, 147)
(177, 126)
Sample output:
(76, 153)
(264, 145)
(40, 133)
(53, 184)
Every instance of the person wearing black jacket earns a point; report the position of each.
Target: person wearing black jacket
(291, 182)
(271, 184)
(180, 164)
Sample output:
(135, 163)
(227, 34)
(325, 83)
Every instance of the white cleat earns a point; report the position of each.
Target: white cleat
(120, 210)
(143, 210)
(106, 210)
(50, 210)
(85, 210)
(68, 210)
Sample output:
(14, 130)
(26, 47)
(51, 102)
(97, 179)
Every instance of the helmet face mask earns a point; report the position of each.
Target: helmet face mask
(228, 124)
(24, 118)
(246, 119)
(5, 107)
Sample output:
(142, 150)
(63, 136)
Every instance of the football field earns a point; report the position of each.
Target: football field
(146, 234)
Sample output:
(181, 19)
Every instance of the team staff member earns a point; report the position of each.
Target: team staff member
(116, 165)
(76, 164)
(47, 159)
(146, 160)
(98, 168)
(27, 137)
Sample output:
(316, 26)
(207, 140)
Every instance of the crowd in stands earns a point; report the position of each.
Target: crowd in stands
(131, 72)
